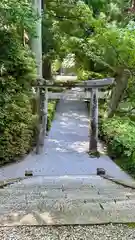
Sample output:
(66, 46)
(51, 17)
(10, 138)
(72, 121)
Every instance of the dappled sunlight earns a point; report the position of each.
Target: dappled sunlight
(70, 125)
(32, 218)
(73, 133)
(58, 146)
(83, 121)
(47, 218)
(83, 126)
(58, 149)
(79, 116)
(11, 218)
(102, 148)
(64, 118)
(79, 146)
(65, 124)
(68, 146)
(54, 141)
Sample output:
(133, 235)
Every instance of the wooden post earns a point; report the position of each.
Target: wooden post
(40, 114)
(93, 122)
(44, 115)
(46, 110)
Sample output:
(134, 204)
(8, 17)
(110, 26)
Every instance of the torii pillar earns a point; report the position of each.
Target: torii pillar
(95, 85)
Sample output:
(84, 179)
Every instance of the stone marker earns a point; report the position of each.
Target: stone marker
(100, 171)
(28, 173)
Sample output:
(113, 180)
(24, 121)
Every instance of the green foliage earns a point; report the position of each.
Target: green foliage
(51, 112)
(65, 22)
(119, 134)
(102, 43)
(17, 72)
(85, 75)
(56, 64)
(17, 15)
(17, 122)
(116, 47)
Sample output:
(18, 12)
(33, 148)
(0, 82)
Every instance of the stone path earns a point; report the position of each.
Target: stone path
(65, 149)
(66, 200)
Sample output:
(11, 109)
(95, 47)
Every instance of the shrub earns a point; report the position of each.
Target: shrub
(87, 75)
(17, 72)
(17, 121)
(17, 124)
(51, 112)
(119, 134)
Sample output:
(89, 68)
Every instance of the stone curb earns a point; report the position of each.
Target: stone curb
(10, 181)
(119, 182)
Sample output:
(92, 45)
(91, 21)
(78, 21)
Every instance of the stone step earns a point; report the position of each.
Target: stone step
(88, 194)
(55, 187)
(66, 200)
(74, 213)
(67, 182)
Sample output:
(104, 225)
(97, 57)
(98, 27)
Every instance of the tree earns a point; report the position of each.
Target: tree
(103, 42)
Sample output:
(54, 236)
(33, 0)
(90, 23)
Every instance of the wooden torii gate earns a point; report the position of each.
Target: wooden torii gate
(92, 85)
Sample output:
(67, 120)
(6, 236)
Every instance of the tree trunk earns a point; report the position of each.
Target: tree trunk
(118, 91)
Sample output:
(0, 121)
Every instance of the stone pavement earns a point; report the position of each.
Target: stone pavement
(65, 149)
(66, 200)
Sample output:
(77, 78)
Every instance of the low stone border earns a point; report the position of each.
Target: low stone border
(120, 182)
(7, 182)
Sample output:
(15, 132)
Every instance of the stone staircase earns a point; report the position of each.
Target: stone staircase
(66, 200)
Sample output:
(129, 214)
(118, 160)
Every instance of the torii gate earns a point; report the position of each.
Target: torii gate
(92, 85)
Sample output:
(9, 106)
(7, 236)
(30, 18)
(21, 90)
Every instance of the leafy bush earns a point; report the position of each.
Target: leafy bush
(17, 72)
(17, 121)
(51, 112)
(119, 134)
(86, 75)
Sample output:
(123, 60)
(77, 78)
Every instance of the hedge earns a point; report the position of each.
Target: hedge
(51, 113)
(119, 135)
(19, 130)
(17, 121)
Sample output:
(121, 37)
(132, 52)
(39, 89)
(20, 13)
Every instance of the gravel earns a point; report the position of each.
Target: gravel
(104, 232)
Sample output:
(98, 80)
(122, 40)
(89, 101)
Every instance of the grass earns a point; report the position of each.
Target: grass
(131, 225)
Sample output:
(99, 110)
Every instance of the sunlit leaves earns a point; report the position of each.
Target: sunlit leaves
(104, 39)
(16, 14)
